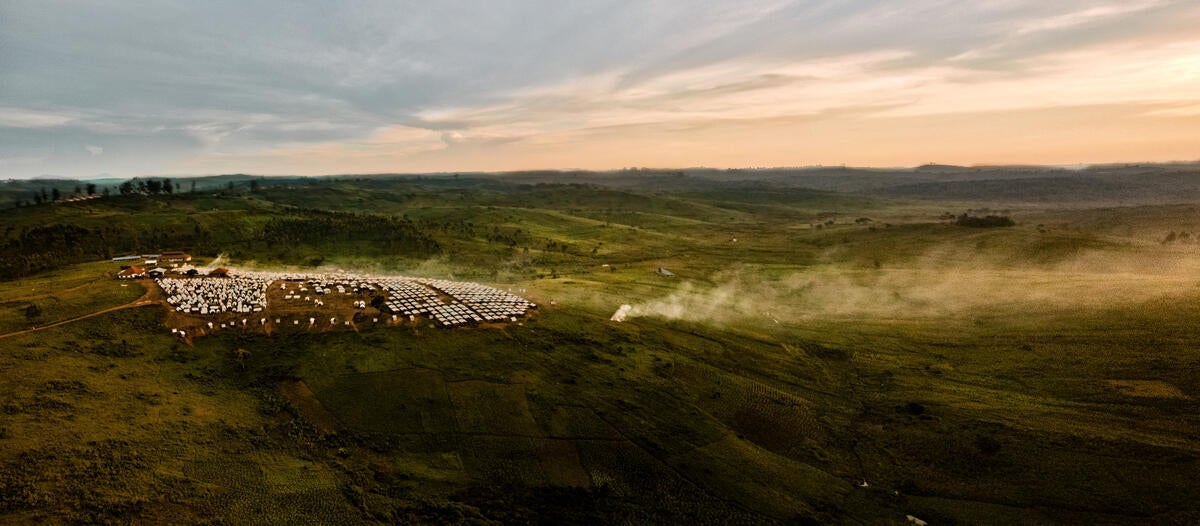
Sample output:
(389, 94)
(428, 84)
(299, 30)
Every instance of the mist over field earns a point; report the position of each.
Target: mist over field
(930, 287)
(850, 357)
(542, 262)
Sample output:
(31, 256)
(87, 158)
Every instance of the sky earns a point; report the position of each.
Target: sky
(127, 88)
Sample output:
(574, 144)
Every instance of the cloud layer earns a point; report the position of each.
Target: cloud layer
(314, 87)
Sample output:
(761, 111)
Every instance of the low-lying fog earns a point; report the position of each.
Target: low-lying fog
(925, 289)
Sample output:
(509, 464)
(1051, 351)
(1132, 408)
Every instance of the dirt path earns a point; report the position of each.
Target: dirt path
(37, 295)
(153, 296)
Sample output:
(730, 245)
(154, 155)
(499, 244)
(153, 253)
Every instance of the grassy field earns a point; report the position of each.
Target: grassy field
(818, 358)
(61, 295)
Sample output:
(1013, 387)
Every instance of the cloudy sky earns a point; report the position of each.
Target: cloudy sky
(308, 87)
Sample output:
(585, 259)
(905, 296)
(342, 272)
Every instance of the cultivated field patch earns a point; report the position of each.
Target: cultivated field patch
(492, 408)
(770, 482)
(1147, 389)
(779, 421)
(506, 460)
(560, 463)
(302, 398)
(416, 401)
(570, 421)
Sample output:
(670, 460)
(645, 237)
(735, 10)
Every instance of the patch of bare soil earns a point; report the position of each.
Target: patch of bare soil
(1147, 389)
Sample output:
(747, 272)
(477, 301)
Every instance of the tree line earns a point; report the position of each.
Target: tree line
(31, 249)
(322, 227)
(146, 186)
(990, 221)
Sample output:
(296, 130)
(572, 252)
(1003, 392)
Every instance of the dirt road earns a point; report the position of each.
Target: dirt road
(153, 296)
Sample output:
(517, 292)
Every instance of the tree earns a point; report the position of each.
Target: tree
(91, 189)
(154, 186)
(241, 355)
(106, 191)
(167, 187)
(254, 185)
(32, 311)
(126, 187)
(55, 194)
(991, 221)
(37, 198)
(193, 187)
(78, 190)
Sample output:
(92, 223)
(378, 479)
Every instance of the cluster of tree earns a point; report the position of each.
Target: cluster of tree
(29, 250)
(1177, 237)
(40, 248)
(324, 228)
(507, 238)
(990, 221)
(552, 245)
(54, 194)
(146, 186)
(463, 227)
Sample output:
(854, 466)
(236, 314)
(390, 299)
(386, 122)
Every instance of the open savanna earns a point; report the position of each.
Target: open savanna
(819, 358)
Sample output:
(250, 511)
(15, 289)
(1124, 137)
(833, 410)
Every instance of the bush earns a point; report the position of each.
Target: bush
(984, 222)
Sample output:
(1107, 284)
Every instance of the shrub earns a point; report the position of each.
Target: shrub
(990, 221)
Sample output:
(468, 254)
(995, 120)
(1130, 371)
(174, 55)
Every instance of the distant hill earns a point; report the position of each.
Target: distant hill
(1112, 184)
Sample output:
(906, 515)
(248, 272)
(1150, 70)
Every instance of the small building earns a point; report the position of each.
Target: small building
(664, 272)
(219, 273)
(174, 257)
(127, 258)
(156, 272)
(132, 273)
(151, 262)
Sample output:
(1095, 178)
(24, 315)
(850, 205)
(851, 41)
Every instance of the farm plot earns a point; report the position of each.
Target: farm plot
(236, 488)
(439, 466)
(628, 471)
(767, 481)
(287, 474)
(417, 401)
(491, 408)
(776, 420)
(505, 460)
(280, 490)
(568, 421)
(303, 399)
(1147, 389)
(560, 463)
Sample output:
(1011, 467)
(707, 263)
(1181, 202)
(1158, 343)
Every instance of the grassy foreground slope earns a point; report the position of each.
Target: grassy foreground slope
(824, 358)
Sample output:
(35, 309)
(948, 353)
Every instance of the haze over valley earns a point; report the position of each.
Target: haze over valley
(910, 263)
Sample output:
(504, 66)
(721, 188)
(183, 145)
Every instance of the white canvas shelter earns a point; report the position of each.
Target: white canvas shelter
(448, 303)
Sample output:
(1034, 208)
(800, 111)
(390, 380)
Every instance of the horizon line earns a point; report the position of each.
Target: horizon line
(1072, 166)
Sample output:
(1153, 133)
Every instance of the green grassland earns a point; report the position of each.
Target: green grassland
(820, 358)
